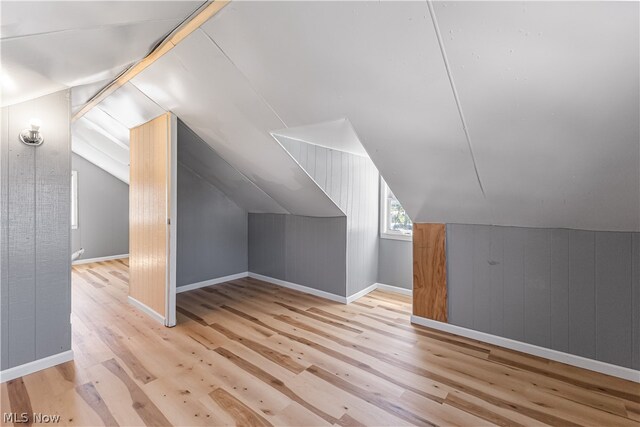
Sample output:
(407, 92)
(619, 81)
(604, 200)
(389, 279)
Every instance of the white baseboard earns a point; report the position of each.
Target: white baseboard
(394, 289)
(146, 309)
(211, 282)
(547, 353)
(361, 293)
(100, 259)
(301, 288)
(328, 295)
(35, 366)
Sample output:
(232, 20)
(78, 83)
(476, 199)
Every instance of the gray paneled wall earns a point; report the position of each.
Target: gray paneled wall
(103, 212)
(308, 251)
(569, 290)
(352, 182)
(36, 248)
(211, 231)
(395, 263)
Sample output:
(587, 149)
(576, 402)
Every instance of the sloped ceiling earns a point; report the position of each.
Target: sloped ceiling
(102, 135)
(551, 95)
(336, 134)
(548, 90)
(518, 114)
(198, 156)
(51, 45)
(377, 64)
(198, 83)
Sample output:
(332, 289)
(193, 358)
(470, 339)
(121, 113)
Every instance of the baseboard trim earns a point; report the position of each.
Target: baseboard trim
(100, 259)
(547, 353)
(35, 366)
(328, 295)
(211, 282)
(361, 293)
(301, 288)
(146, 310)
(394, 289)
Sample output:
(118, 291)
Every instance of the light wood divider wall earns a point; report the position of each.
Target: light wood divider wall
(149, 216)
(430, 271)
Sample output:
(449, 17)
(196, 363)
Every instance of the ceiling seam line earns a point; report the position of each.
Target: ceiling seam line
(455, 92)
(97, 27)
(244, 77)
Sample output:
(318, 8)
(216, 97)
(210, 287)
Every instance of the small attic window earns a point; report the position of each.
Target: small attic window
(394, 221)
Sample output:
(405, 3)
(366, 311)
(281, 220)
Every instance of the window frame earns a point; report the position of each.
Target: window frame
(385, 232)
(74, 200)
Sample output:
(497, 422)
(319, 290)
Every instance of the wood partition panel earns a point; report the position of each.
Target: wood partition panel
(149, 213)
(430, 271)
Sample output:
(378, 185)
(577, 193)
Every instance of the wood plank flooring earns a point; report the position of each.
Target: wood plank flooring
(253, 354)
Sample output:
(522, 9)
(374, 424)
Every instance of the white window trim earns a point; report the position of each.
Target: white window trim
(385, 233)
(74, 200)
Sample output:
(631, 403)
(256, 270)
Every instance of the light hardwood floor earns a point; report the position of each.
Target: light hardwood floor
(251, 353)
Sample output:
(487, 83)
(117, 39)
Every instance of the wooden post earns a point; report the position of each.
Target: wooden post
(430, 271)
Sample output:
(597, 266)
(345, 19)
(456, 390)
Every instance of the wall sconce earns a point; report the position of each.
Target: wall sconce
(32, 136)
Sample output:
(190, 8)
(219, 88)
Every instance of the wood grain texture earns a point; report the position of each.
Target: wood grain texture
(430, 271)
(240, 412)
(149, 210)
(245, 353)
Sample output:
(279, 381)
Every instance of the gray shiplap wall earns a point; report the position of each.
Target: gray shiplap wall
(395, 263)
(352, 182)
(568, 290)
(35, 266)
(212, 229)
(103, 212)
(308, 251)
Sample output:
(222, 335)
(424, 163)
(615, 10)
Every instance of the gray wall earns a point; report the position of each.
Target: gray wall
(35, 239)
(211, 229)
(395, 264)
(352, 182)
(103, 212)
(308, 251)
(568, 290)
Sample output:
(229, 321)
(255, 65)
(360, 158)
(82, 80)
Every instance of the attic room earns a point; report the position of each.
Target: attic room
(347, 213)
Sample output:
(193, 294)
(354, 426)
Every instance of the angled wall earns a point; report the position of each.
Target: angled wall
(212, 234)
(35, 265)
(351, 181)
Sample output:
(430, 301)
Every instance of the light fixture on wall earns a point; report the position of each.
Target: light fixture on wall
(32, 136)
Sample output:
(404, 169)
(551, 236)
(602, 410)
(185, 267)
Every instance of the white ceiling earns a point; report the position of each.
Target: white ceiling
(549, 92)
(553, 124)
(198, 83)
(337, 135)
(377, 64)
(198, 156)
(91, 141)
(48, 46)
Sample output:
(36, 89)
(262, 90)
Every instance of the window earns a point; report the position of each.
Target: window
(394, 221)
(74, 200)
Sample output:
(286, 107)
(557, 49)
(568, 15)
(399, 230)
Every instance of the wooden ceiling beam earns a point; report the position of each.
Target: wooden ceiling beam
(195, 21)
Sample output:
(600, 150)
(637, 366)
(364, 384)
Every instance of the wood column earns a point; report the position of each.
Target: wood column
(430, 271)
(149, 213)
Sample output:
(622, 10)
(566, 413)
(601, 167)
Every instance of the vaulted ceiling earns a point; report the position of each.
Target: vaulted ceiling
(474, 112)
